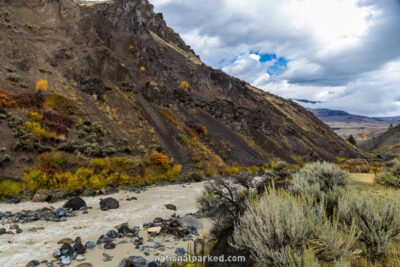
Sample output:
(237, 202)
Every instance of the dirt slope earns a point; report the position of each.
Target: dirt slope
(120, 65)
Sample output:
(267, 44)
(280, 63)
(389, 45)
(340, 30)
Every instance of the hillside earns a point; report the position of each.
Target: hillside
(121, 82)
(361, 127)
(386, 143)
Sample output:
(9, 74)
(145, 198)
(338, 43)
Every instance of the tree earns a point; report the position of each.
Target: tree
(352, 140)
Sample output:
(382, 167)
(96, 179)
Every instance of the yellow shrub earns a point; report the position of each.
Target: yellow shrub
(60, 104)
(142, 69)
(38, 132)
(50, 162)
(230, 171)
(41, 85)
(35, 179)
(99, 165)
(120, 163)
(34, 116)
(130, 47)
(60, 180)
(185, 85)
(9, 188)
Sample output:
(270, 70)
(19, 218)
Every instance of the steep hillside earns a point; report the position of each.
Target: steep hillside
(121, 82)
(386, 143)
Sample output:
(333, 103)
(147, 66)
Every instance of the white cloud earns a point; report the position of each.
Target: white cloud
(344, 52)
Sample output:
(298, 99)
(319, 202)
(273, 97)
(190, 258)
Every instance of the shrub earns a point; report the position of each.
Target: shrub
(279, 225)
(58, 123)
(99, 165)
(34, 116)
(391, 176)
(41, 85)
(120, 163)
(38, 132)
(168, 116)
(35, 179)
(9, 188)
(377, 218)
(5, 99)
(319, 177)
(142, 69)
(60, 104)
(14, 77)
(50, 162)
(185, 85)
(190, 132)
(183, 138)
(352, 140)
(160, 159)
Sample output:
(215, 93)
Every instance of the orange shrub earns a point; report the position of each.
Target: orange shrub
(5, 99)
(41, 85)
(142, 69)
(168, 116)
(50, 162)
(160, 159)
(190, 132)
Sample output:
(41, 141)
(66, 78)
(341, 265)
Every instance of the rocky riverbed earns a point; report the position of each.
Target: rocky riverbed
(151, 228)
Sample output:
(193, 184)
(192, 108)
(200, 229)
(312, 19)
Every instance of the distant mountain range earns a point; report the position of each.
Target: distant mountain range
(339, 116)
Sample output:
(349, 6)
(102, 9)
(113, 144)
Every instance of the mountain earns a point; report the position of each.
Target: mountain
(361, 127)
(386, 143)
(120, 81)
(329, 115)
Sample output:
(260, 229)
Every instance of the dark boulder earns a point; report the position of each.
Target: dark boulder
(109, 203)
(76, 203)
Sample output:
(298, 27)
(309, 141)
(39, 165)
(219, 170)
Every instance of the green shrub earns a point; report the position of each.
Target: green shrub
(319, 177)
(390, 176)
(277, 227)
(50, 162)
(377, 218)
(183, 138)
(9, 188)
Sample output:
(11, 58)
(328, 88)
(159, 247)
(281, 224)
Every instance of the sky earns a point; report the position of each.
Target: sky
(343, 53)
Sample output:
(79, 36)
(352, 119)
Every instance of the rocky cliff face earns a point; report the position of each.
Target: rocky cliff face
(121, 66)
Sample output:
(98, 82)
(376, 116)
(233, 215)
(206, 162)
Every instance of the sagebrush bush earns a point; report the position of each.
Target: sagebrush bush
(390, 176)
(278, 226)
(319, 177)
(377, 218)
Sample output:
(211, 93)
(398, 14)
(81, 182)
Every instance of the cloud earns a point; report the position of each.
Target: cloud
(342, 52)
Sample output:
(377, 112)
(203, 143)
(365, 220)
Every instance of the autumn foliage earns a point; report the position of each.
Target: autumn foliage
(160, 159)
(41, 85)
(168, 116)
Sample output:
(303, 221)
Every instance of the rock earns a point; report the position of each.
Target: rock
(170, 206)
(109, 203)
(85, 264)
(33, 263)
(14, 227)
(60, 212)
(123, 228)
(65, 241)
(79, 248)
(76, 203)
(19, 230)
(66, 249)
(131, 198)
(180, 251)
(156, 230)
(90, 244)
(66, 260)
(109, 245)
(152, 264)
(112, 234)
(138, 261)
(190, 222)
(3, 231)
(107, 257)
(41, 196)
(100, 240)
(80, 258)
(125, 263)
(57, 253)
